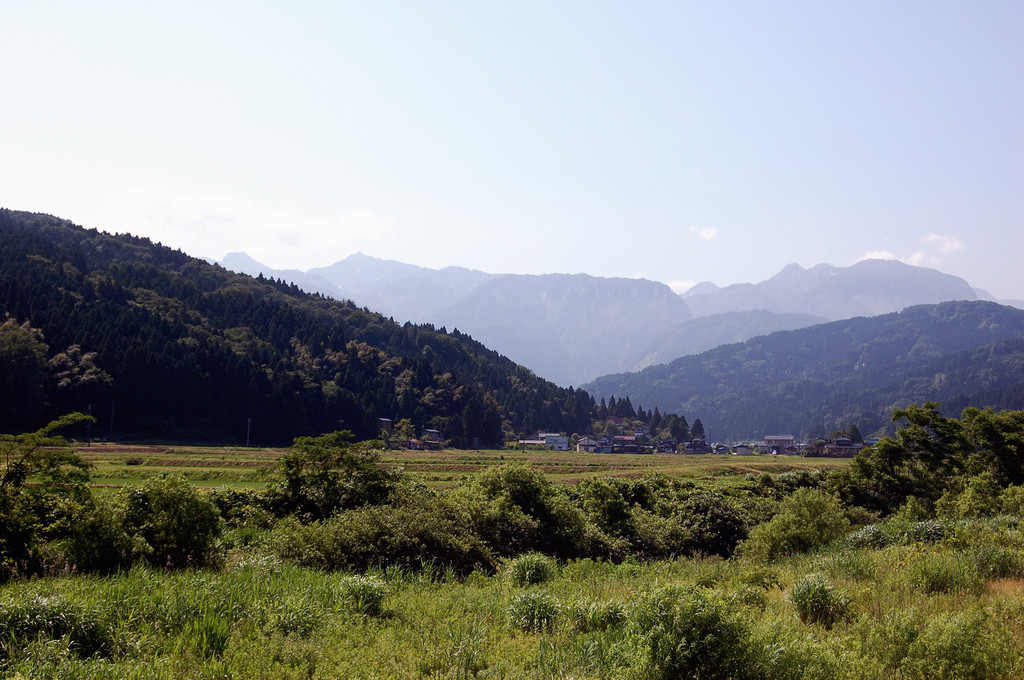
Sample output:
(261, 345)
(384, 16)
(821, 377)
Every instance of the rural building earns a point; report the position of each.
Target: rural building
(777, 443)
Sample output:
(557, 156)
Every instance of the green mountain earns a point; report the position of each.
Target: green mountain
(813, 381)
(157, 343)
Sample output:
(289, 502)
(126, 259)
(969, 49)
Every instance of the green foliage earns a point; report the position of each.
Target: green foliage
(421, 529)
(169, 523)
(530, 569)
(46, 507)
(84, 629)
(712, 525)
(533, 611)
(939, 573)
(23, 374)
(515, 509)
(817, 602)
(326, 474)
(587, 615)
(689, 633)
(364, 595)
(960, 646)
(978, 498)
(808, 519)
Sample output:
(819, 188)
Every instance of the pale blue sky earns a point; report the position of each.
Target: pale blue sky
(675, 141)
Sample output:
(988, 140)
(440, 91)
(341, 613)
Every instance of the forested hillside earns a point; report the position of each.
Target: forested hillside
(812, 381)
(157, 343)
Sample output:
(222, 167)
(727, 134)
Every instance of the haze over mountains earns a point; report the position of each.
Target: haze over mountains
(572, 329)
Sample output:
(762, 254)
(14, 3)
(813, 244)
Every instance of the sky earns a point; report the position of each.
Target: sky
(674, 141)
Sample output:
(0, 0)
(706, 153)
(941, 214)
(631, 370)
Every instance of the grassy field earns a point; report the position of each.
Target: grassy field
(947, 609)
(210, 467)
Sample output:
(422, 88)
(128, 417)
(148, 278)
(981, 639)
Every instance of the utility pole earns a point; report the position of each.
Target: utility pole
(248, 426)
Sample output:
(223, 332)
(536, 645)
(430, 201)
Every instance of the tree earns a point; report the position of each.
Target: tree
(326, 474)
(853, 432)
(45, 508)
(808, 519)
(76, 378)
(697, 431)
(23, 375)
(169, 523)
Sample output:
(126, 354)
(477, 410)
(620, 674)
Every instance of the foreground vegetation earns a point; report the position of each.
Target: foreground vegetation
(908, 563)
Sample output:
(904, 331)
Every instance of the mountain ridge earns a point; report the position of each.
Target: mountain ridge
(592, 339)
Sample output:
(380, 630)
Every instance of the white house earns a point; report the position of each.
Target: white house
(553, 439)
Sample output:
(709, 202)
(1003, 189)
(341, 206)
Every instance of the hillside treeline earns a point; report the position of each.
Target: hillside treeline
(154, 342)
(813, 381)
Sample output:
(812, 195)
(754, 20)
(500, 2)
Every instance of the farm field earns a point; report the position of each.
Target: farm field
(253, 468)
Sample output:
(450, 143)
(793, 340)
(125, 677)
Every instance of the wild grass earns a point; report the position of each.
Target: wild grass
(916, 610)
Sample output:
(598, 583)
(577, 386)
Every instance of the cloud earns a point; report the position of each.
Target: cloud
(945, 244)
(706, 233)
(680, 287)
(212, 225)
(921, 258)
(876, 255)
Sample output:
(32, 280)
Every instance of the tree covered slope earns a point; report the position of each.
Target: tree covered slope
(811, 381)
(183, 348)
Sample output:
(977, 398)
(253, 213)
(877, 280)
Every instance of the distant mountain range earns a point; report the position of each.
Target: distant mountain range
(573, 329)
(812, 381)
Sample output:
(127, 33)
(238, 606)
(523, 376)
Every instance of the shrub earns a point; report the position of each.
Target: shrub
(961, 646)
(363, 594)
(684, 633)
(808, 519)
(84, 629)
(979, 498)
(170, 523)
(533, 611)
(996, 562)
(817, 602)
(926, 531)
(516, 509)
(421, 530)
(1011, 500)
(943, 574)
(849, 564)
(530, 569)
(711, 525)
(870, 536)
(592, 615)
(750, 596)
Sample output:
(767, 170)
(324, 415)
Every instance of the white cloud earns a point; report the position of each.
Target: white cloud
(212, 225)
(706, 233)
(945, 244)
(876, 255)
(922, 259)
(680, 287)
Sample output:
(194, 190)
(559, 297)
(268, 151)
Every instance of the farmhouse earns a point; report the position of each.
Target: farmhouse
(778, 443)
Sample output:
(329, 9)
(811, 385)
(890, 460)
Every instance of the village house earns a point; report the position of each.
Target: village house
(625, 443)
(778, 443)
(842, 447)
